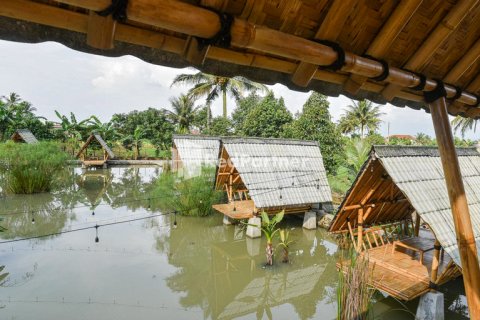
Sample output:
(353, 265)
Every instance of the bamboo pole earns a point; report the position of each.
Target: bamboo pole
(417, 225)
(435, 261)
(459, 205)
(360, 229)
(195, 21)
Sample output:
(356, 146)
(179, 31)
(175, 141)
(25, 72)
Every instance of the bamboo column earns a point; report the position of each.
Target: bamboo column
(459, 205)
(416, 231)
(360, 230)
(435, 261)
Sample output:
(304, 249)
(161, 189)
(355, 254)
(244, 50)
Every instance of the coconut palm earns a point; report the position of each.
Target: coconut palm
(183, 113)
(211, 86)
(361, 115)
(464, 124)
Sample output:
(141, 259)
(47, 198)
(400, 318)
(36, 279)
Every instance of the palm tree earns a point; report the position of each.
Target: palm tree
(71, 129)
(183, 113)
(362, 115)
(211, 86)
(107, 130)
(464, 124)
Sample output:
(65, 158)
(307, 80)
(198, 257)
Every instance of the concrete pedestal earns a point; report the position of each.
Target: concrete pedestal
(310, 220)
(431, 307)
(325, 221)
(226, 220)
(252, 230)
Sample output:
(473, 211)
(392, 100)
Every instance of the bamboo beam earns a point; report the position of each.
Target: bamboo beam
(330, 29)
(373, 204)
(442, 31)
(459, 206)
(101, 31)
(435, 261)
(472, 55)
(386, 37)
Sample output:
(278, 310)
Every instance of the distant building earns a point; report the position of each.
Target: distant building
(402, 136)
(24, 135)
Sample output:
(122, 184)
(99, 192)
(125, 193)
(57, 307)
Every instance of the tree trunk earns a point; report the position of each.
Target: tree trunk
(269, 254)
(285, 255)
(224, 94)
(209, 115)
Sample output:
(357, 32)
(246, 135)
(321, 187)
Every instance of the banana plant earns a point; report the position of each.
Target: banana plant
(285, 243)
(269, 229)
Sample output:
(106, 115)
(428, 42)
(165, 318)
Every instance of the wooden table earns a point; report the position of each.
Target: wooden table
(420, 245)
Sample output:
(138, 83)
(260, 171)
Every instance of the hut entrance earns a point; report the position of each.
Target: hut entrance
(397, 214)
(95, 152)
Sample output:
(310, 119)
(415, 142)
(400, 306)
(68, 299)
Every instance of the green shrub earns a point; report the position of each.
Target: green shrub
(30, 168)
(191, 197)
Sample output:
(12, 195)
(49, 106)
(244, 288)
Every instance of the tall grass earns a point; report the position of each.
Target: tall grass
(30, 168)
(354, 294)
(191, 197)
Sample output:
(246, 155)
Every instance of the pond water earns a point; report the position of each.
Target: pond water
(153, 265)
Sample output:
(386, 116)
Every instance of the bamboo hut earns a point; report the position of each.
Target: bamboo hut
(420, 54)
(192, 152)
(89, 160)
(271, 175)
(376, 215)
(24, 135)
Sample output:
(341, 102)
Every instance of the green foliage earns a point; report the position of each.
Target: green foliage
(191, 197)
(220, 126)
(359, 116)
(3, 276)
(375, 139)
(30, 168)
(268, 118)
(269, 226)
(285, 243)
(315, 123)
(396, 141)
(423, 139)
(244, 107)
(183, 114)
(463, 125)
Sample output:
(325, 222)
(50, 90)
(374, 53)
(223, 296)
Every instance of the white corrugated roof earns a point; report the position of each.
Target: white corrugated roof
(195, 152)
(26, 135)
(280, 172)
(419, 174)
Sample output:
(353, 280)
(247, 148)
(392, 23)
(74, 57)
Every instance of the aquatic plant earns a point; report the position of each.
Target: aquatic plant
(269, 229)
(30, 168)
(285, 243)
(191, 197)
(354, 294)
(3, 276)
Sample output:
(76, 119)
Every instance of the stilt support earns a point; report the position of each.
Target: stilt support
(253, 228)
(431, 307)
(310, 220)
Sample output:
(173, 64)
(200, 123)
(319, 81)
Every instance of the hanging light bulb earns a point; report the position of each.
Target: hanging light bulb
(96, 234)
(93, 213)
(33, 218)
(149, 205)
(280, 193)
(175, 220)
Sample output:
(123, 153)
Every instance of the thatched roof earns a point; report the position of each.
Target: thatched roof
(275, 41)
(191, 152)
(404, 179)
(103, 144)
(24, 135)
(277, 172)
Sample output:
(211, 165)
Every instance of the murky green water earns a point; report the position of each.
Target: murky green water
(146, 268)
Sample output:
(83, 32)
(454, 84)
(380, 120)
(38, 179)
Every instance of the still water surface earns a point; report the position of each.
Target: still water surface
(146, 268)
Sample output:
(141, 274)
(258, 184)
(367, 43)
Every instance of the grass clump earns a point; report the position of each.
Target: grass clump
(190, 197)
(354, 294)
(30, 168)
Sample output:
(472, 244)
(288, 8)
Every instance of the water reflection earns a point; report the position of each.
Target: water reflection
(227, 279)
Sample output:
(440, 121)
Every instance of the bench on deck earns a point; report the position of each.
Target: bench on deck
(420, 245)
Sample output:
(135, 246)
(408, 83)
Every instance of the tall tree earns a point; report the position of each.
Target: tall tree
(315, 123)
(267, 119)
(211, 87)
(244, 106)
(463, 125)
(184, 111)
(359, 116)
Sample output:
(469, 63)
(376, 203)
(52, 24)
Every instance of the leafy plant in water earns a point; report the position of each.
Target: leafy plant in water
(30, 168)
(285, 243)
(3, 276)
(269, 229)
(192, 197)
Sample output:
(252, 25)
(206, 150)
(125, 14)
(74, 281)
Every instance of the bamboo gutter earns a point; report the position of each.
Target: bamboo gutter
(201, 22)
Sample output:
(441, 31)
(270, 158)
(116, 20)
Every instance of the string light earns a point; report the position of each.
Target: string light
(175, 220)
(33, 217)
(96, 234)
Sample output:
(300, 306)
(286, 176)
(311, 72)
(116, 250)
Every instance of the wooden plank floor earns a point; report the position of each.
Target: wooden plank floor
(400, 273)
(243, 209)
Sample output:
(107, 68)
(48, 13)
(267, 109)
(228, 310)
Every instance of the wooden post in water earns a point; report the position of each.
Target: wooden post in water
(459, 205)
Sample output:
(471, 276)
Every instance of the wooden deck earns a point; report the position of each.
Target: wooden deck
(400, 273)
(93, 163)
(243, 209)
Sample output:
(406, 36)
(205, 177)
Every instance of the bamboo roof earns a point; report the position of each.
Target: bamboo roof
(191, 152)
(24, 135)
(276, 172)
(399, 180)
(103, 144)
(275, 41)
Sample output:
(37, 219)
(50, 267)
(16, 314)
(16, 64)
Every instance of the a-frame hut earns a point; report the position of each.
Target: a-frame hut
(89, 160)
(24, 135)
(271, 175)
(376, 215)
(191, 152)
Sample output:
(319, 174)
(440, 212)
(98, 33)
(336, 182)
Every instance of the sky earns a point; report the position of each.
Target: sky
(54, 77)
